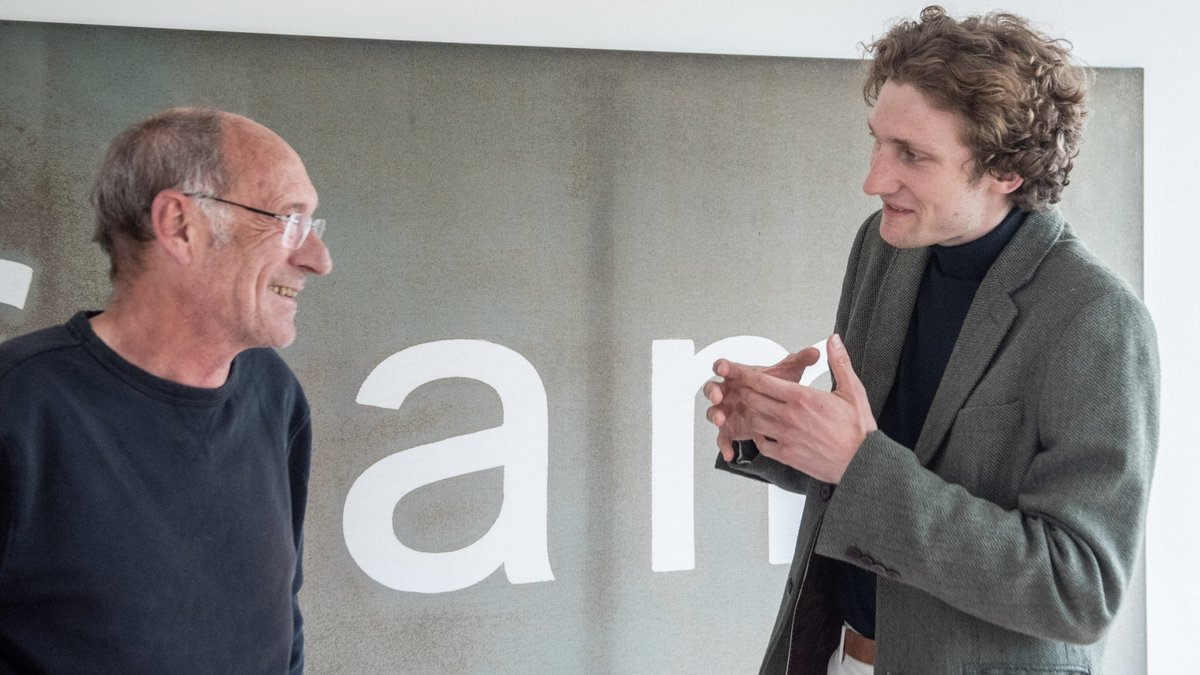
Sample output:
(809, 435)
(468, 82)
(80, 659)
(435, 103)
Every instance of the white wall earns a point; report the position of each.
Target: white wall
(1158, 37)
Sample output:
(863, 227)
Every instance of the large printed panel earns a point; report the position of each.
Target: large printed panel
(538, 255)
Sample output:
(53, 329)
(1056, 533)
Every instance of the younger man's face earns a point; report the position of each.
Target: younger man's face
(921, 170)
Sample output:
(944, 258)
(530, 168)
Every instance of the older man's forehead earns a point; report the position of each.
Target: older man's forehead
(249, 145)
(262, 162)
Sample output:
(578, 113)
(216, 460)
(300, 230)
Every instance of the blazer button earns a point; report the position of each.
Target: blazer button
(826, 492)
(853, 553)
(878, 569)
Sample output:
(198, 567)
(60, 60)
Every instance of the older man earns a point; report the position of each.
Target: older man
(977, 481)
(154, 456)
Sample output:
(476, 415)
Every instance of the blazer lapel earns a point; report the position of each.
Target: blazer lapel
(988, 321)
(889, 324)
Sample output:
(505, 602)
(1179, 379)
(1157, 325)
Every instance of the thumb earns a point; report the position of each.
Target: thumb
(848, 386)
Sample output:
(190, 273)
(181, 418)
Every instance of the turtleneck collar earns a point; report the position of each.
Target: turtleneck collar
(973, 259)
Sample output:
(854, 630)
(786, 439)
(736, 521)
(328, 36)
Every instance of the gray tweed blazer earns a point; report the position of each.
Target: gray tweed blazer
(1005, 541)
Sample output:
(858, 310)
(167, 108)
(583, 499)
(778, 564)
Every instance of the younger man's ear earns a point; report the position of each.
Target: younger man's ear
(1006, 183)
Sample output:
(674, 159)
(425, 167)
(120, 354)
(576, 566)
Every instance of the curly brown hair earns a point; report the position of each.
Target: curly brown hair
(1019, 93)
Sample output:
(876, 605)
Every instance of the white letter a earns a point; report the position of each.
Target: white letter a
(517, 539)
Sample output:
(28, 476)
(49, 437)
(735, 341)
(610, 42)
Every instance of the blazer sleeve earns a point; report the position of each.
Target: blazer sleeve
(1058, 564)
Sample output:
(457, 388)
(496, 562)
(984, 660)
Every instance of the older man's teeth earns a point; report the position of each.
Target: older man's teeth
(284, 291)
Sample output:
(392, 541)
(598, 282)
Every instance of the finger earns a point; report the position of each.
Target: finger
(767, 384)
(721, 367)
(746, 421)
(725, 445)
(755, 405)
(792, 366)
(716, 416)
(848, 386)
(713, 392)
(732, 369)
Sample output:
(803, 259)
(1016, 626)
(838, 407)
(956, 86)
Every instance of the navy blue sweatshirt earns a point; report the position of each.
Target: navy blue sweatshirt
(147, 526)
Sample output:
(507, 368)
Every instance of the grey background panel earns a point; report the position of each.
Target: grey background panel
(572, 206)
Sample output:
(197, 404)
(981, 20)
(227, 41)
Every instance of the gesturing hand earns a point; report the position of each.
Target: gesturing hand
(814, 431)
(728, 408)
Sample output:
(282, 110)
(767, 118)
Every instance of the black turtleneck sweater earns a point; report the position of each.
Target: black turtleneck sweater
(947, 289)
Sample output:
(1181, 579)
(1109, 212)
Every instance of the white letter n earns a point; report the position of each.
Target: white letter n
(677, 372)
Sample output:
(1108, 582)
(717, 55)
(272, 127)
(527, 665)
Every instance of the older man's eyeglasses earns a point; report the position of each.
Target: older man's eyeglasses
(296, 225)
